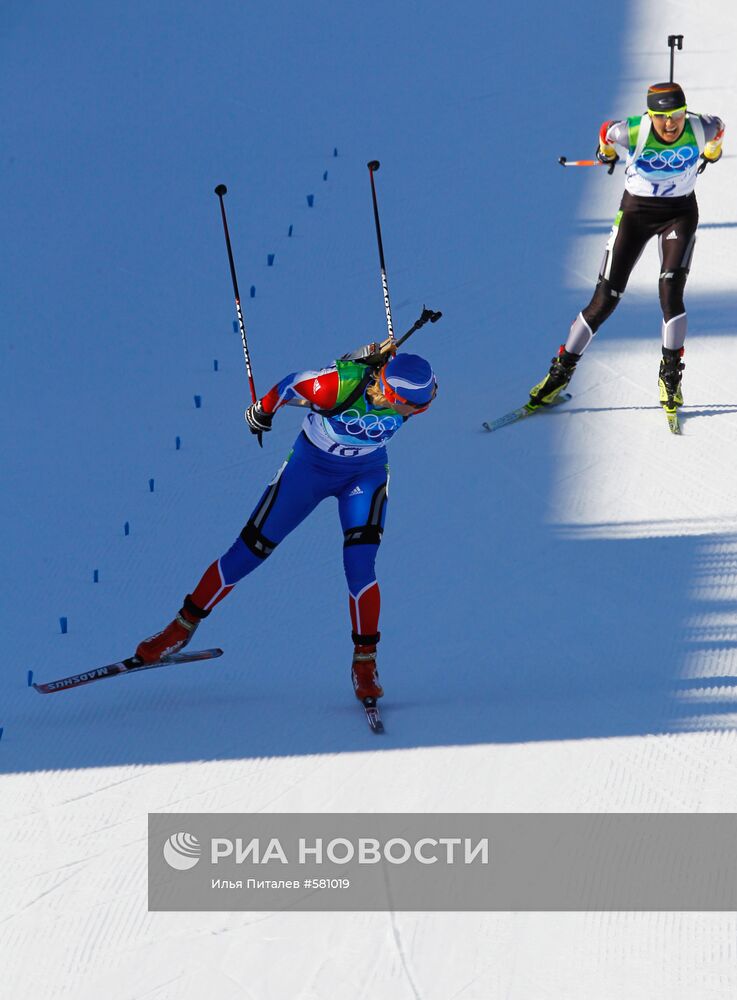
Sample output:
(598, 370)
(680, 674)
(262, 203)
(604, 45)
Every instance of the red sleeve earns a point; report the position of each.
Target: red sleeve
(603, 131)
(319, 388)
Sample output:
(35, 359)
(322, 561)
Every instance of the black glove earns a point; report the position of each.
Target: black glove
(257, 419)
(608, 161)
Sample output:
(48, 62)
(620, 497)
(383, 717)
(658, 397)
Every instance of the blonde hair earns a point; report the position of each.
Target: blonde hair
(374, 391)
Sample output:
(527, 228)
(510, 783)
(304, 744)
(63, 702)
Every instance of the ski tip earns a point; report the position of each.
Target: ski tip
(190, 656)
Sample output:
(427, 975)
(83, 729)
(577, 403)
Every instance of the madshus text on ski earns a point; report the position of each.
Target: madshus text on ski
(667, 148)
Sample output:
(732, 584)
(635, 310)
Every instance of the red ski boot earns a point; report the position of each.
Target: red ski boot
(365, 676)
(170, 640)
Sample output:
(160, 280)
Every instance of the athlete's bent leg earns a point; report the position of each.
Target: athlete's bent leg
(624, 246)
(286, 502)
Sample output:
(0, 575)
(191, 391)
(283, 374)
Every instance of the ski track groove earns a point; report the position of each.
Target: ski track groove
(397, 937)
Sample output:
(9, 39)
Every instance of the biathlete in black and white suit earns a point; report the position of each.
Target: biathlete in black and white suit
(667, 148)
(356, 406)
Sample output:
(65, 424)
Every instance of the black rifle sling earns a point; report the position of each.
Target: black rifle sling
(350, 398)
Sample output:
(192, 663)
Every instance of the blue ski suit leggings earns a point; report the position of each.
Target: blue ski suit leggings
(306, 478)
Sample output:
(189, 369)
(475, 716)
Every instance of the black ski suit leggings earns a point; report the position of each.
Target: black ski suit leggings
(674, 221)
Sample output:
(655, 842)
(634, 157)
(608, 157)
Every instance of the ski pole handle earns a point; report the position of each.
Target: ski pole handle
(428, 316)
(674, 42)
(221, 191)
(564, 162)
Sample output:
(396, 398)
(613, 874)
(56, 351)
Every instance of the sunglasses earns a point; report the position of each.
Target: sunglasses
(677, 115)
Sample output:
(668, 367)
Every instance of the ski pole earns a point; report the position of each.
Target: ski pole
(564, 162)
(373, 166)
(674, 42)
(220, 191)
(428, 316)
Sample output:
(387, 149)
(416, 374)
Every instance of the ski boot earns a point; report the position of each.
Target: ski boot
(174, 637)
(365, 676)
(560, 374)
(669, 379)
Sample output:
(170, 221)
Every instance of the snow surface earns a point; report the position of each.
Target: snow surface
(559, 598)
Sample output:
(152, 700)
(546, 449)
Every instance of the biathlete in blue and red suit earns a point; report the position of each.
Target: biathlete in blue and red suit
(356, 406)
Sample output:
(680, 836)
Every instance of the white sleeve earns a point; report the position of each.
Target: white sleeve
(713, 127)
(618, 134)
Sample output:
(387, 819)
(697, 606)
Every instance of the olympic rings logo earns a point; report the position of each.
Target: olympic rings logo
(370, 424)
(668, 159)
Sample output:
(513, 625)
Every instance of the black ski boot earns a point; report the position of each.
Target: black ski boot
(669, 379)
(560, 374)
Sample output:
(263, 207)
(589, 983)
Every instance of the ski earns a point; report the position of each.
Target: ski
(672, 417)
(372, 715)
(523, 411)
(130, 665)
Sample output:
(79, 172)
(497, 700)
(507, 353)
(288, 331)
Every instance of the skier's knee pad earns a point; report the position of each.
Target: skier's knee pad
(365, 534)
(670, 289)
(603, 303)
(256, 541)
